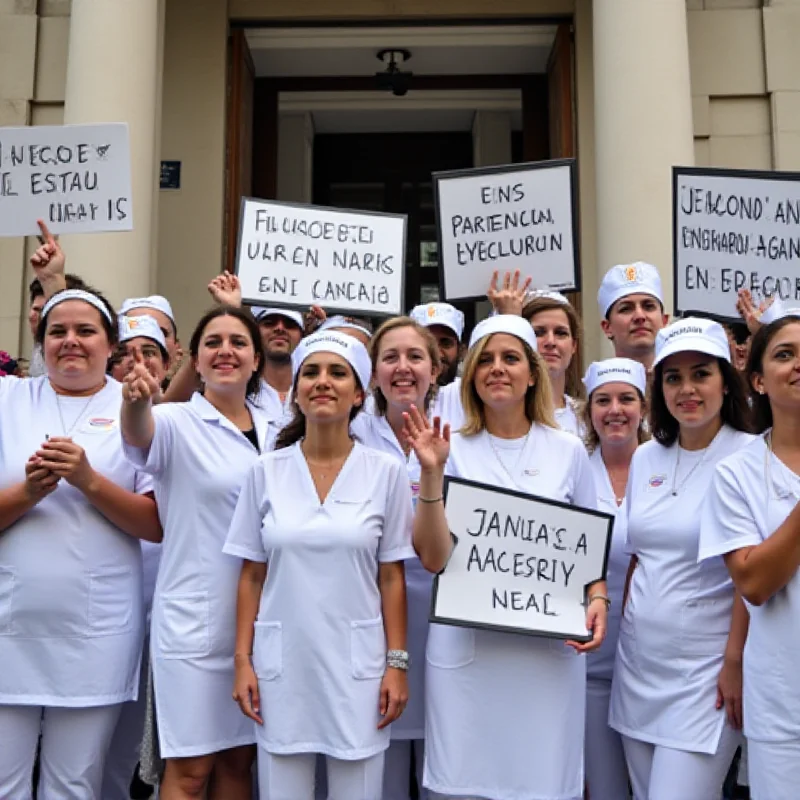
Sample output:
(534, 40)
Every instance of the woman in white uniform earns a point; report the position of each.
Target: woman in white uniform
(323, 525)
(752, 518)
(504, 711)
(676, 694)
(613, 418)
(558, 333)
(405, 365)
(199, 453)
(72, 510)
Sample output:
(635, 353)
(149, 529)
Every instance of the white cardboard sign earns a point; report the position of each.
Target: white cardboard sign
(302, 255)
(77, 178)
(734, 229)
(520, 563)
(521, 216)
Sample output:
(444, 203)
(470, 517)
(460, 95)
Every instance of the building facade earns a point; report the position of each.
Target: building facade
(279, 99)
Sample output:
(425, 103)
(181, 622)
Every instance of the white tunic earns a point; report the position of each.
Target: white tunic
(752, 494)
(447, 405)
(199, 459)
(269, 401)
(676, 624)
(505, 711)
(568, 420)
(320, 649)
(374, 431)
(600, 662)
(71, 613)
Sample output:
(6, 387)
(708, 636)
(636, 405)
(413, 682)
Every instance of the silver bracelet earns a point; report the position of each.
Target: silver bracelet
(398, 659)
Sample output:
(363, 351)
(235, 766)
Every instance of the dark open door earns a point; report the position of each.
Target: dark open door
(239, 161)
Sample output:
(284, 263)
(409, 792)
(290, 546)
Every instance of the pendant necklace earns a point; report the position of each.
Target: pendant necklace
(519, 457)
(80, 416)
(676, 487)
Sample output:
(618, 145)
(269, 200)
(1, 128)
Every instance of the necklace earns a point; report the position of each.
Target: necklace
(677, 487)
(519, 457)
(80, 416)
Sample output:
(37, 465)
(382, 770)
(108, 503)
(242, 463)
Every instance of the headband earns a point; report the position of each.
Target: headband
(615, 370)
(76, 294)
(505, 323)
(349, 348)
(339, 321)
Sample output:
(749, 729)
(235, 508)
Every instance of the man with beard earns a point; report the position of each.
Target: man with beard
(632, 310)
(446, 323)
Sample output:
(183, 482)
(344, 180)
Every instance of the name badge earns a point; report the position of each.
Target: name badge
(99, 425)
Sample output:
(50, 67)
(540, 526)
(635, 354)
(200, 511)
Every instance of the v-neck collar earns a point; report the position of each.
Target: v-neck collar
(306, 471)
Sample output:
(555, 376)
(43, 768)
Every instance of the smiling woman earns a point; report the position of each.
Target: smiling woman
(71, 513)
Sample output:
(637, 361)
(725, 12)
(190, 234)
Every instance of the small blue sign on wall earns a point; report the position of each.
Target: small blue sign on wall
(170, 174)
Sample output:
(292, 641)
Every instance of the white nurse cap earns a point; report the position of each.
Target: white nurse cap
(259, 313)
(615, 370)
(544, 294)
(625, 279)
(338, 321)
(133, 327)
(505, 323)
(439, 314)
(777, 310)
(692, 334)
(348, 347)
(155, 302)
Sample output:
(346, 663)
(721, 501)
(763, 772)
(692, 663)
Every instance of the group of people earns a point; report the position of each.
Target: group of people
(233, 556)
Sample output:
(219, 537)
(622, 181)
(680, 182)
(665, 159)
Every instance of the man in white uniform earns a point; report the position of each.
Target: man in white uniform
(632, 310)
(160, 309)
(446, 323)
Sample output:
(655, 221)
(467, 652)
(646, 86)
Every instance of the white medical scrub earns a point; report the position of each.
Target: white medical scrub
(319, 650)
(752, 494)
(676, 623)
(606, 773)
(71, 615)
(505, 711)
(199, 459)
(269, 400)
(568, 420)
(447, 405)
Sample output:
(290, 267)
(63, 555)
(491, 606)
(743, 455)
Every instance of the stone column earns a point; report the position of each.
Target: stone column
(112, 76)
(643, 127)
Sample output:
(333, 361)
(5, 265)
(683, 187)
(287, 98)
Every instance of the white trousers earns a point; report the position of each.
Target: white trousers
(664, 773)
(774, 770)
(292, 777)
(397, 769)
(437, 796)
(604, 756)
(123, 753)
(74, 746)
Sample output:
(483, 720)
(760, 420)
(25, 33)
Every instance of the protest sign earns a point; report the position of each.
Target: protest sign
(734, 229)
(299, 255)
(77, 178)
(520, 563)
(521, 216)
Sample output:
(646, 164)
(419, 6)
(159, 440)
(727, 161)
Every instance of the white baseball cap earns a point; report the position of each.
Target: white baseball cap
(778, 310)
(348, 347)
(147, 327)
(692, 334)
(615, 370)
(625, 279)
(439, 314)
(155, 302)
(259, 312)
(505, 323)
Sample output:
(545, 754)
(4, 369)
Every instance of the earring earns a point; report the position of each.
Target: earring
(761, 391)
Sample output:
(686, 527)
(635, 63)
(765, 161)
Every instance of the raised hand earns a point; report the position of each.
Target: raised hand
(313, 318)
(430, 443)
(48, 261)
(226, 290)
(749, 312)
(139, 386)
(510, 297)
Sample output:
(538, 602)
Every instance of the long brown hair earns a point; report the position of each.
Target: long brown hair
(592, 440)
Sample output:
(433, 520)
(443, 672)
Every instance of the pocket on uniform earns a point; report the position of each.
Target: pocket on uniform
(367, 649)
(183, 625)
(268, 650)
(112, 593)
(7, 581)
(449, 646)
(705, 625)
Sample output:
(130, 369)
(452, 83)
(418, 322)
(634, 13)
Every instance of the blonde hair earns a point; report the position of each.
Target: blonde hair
(592, 440)
(393, 324)
(538, 399)
(573, 385)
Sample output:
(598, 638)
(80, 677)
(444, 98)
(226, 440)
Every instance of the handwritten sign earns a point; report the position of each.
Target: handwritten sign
(77, 178)
(301, 255)
(506, 218)
(520, 563)
(734, 229)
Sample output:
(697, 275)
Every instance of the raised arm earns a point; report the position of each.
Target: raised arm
(138, 389)
(49, 262)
